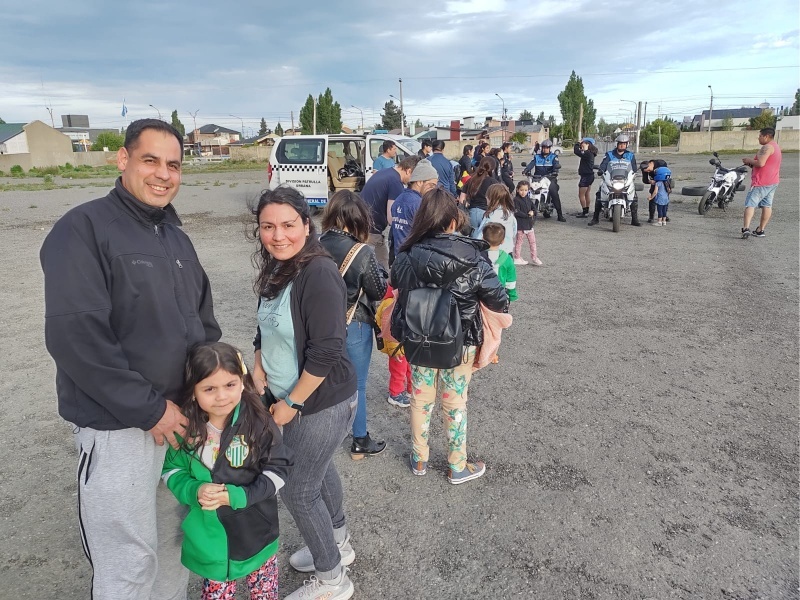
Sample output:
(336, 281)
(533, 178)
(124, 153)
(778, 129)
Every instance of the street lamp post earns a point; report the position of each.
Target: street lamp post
(158, 111)
(710, 110)
(503, 129)
(240, 120)
(362, 115)
(194, 133)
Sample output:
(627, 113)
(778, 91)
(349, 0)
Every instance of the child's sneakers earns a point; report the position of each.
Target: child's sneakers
(537, 262)
(470, 472)
(520, 261)
(418, 467)
(402, 400)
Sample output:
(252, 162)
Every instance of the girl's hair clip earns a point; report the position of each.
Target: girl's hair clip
(241, 363)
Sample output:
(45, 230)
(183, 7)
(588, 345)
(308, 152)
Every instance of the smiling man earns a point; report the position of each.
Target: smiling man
(125, 299)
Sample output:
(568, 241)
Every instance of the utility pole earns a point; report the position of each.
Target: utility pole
(315, 118)
(50, 110)
(240, 121)
(503, 117)
(158, 111)
(638, 123)
(362, 116)
(292, 116)
(194, 133)
(580, 123)
(402, 112)
(710, 109)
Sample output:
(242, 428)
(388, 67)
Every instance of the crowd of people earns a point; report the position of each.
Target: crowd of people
(184, 444)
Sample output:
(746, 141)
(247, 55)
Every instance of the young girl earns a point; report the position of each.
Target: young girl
(587, 151)
(525, 215)
(499, 209)
(228, 470)
(660, 195)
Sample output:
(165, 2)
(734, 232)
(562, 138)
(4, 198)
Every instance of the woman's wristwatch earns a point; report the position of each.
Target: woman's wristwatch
(295, 405)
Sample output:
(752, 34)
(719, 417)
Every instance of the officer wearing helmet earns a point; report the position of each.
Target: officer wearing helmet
(545, 164)
(621, 152)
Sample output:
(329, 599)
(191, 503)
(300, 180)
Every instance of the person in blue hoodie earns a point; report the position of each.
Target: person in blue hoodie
(441, 163)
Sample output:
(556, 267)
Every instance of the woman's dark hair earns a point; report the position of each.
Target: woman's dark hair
(498, 196)
(467, 148)
(593, 149)
(436, 213)
(494, 152)
(346, 210)
(485, 168)
(203, 361)
(274, 275)
(505, 146)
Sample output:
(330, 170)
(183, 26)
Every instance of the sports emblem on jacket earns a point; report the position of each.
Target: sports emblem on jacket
(237, 451)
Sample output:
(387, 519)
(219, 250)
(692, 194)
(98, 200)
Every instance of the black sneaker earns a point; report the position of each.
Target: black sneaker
(562, 219)
(745, 233)
(582, 216)
(366, 446)
(593, 222)
(650, 220)
(760, 233)
(667, 219)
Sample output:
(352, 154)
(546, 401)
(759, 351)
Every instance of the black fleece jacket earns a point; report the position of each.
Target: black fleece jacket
(125, 299)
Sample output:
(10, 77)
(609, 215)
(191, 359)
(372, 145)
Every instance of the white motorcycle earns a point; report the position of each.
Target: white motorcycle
(540, 195)
(722, 187)
(617, 191)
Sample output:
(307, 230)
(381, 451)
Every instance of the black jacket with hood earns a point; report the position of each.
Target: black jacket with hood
(452, 261)
(364, 273)
(125, 299)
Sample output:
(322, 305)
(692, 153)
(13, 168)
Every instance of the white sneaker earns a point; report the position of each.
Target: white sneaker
(303, 562)
(537, 262)
(656, 224)
(520, 261)
(340, 588)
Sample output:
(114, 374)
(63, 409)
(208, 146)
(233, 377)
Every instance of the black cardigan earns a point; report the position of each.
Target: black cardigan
(318, 304)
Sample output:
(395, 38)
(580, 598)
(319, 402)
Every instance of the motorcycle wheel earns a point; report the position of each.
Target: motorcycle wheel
(706, 201)
(616, 215)
(546, 214)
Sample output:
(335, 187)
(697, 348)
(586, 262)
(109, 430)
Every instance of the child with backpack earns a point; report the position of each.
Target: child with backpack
(660, 194)
(526, 217)
(502, 263)
(399, 369)
(440, 330)
(228, 469)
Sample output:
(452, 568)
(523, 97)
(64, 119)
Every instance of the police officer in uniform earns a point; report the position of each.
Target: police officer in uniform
(621, 152)
(546, 164)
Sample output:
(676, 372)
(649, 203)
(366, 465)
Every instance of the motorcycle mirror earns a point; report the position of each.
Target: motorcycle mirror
(715, 154)
(524, 164)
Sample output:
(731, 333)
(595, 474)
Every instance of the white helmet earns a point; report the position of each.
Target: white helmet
(622, 139)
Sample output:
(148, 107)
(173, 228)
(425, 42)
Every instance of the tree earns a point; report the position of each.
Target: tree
(2, 122)
(570, 101)
(519, 137)
(176, 123)
(606, 129)
(329, 114)
(669, 133)
(109, 139)
(391, 117)
(795, 110)
(541, 118)
(727, 123)
(418, 124)
(278, 129)
(307, 116)
(263, 129)
(526, 115)
(765, 119)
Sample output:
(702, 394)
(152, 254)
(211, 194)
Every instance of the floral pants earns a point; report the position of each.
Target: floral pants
(263, 584)
(453, 383)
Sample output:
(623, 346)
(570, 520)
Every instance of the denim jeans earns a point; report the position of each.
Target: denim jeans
(359, 349)
(476, 216)
(313, 491)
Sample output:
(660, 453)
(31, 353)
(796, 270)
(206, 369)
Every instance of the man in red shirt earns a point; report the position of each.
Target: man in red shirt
(764, 181)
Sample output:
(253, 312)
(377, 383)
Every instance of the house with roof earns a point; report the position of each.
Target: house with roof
(34, 144)
(211, 140)
(740, 117)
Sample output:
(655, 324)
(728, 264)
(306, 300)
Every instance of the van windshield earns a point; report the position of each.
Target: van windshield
(306, 152)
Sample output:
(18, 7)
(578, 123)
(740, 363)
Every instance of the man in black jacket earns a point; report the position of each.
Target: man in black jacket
(125, 299)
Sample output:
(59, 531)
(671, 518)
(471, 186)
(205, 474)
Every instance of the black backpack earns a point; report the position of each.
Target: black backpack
(433, 336)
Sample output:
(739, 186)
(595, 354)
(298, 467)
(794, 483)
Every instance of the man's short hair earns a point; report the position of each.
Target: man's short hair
(408, 163)
(494, 233)
(135, 129)
(387, 145)
(426, 143)
(438, 145)
(770, 131)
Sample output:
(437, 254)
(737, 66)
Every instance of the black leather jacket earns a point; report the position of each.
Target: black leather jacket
(365, 273)
(455, 262)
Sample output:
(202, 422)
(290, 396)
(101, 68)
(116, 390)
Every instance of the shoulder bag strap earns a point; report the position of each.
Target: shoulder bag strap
(348, 260)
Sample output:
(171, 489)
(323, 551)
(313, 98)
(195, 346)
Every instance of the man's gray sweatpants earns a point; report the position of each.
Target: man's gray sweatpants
(129, 521)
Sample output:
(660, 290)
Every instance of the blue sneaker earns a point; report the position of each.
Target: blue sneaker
(402, 400)
(470, 472)
(418, 467)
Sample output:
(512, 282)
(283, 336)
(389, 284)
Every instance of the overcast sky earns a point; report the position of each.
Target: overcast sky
(261, 59)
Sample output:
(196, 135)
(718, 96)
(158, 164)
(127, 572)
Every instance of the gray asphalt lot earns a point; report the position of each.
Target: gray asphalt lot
(640, 431)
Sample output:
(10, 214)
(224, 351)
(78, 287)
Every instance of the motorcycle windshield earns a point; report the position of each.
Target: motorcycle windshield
(619, 173)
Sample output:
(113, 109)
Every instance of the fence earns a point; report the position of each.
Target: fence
(705, 141)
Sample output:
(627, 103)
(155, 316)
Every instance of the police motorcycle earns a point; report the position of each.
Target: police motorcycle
(617, 190)
(539, 193)
(722, 187)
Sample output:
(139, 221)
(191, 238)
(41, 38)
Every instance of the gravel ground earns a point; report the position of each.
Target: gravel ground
(640, 431)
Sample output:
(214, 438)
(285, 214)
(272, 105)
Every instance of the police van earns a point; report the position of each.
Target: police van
(319, 165)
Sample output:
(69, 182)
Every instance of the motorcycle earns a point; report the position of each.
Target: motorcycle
(539, 193)
(617, 191)
(722, 187)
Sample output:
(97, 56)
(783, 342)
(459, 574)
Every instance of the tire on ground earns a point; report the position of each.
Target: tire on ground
(697, 190)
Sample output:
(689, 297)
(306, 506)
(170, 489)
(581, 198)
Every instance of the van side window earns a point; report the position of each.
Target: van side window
(305, 151)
